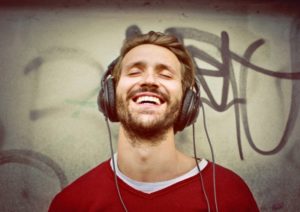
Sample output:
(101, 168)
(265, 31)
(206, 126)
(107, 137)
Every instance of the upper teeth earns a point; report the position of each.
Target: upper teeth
(148, 99)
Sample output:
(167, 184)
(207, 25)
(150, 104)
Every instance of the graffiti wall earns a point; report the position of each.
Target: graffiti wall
(52, 58)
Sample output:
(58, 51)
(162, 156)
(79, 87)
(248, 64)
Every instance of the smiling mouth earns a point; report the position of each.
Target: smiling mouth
(147, 99)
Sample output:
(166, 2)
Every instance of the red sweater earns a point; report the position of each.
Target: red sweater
(96, 191)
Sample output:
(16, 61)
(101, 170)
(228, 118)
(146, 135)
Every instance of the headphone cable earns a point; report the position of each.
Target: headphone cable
(195, 155)
(212, 157)
(201, 178)
(114, 166)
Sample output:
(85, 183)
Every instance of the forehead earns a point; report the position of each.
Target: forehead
(151, 55)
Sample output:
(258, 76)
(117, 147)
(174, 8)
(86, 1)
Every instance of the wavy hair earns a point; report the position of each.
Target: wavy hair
(170, 42)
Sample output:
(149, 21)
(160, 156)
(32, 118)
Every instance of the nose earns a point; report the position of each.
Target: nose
(150, 78)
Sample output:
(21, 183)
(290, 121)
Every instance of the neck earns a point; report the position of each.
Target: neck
(151, 161)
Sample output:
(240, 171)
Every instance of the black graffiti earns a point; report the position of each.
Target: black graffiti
(292, 155)
(32, 159)
(225, 70)
(55, 54)
(36, 160)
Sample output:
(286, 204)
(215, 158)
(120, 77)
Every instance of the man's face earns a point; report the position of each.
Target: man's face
(149, 91)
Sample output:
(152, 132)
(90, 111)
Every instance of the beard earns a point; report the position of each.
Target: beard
(151, 130)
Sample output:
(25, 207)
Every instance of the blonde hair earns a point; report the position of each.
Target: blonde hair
(167, 41)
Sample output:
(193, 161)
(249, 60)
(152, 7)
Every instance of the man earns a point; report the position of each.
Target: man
(151, 90)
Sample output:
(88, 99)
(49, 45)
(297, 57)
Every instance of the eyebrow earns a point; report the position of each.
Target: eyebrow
(143, 64)
(135, 64)
(164, 66)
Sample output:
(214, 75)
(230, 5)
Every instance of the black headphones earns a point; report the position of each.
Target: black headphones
(107, 101)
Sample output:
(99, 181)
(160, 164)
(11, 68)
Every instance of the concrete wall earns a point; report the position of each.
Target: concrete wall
(52, 56)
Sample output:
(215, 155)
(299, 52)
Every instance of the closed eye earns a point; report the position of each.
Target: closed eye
(134, 72)
(166, 74)
(135, 68)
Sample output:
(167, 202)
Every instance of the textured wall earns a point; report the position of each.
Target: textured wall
(53, 55)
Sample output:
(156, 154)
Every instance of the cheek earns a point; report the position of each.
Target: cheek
(176, 90)
(120, 87)
(119, 95)
(123, 87)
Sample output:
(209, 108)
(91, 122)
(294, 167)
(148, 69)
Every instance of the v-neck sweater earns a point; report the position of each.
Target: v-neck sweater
(96, 191)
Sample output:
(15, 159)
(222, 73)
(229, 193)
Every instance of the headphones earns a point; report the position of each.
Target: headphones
(107, 101)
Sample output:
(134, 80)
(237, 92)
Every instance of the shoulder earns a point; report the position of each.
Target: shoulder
(226, 178)
(231, 189)
(91, 178)
(83, 188)
(226, 175)
(229, 178)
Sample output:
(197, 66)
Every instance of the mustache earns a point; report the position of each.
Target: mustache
(165, 97)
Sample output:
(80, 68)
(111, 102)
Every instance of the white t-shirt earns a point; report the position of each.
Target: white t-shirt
(156, 186)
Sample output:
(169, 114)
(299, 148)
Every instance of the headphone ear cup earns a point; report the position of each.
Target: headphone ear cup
(111, 97)
(107, 94)
(189, 110)
(107, 100)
